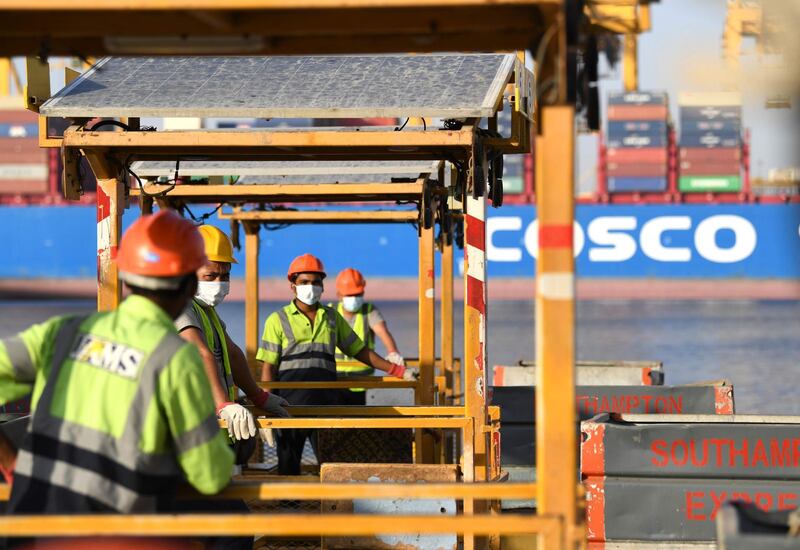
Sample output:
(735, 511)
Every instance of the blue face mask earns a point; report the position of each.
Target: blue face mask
(352, 303)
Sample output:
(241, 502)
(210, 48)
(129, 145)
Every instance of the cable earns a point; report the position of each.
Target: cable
(116, 123)
(203, 217)
(424, 126)
(400, 129)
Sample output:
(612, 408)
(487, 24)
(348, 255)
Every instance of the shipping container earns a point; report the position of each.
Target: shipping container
(704, 154)
(637, 140)
(711, 112)
(701, 446)
(637, 112)
(15, 130)
(633, 184)
(713, 183)
(621, 127)
(629, 169)
(637, 98)
(645, 155)
(679, 509)
(518, 403)
(587, 373)
(698, 126)
(21, 151)
(710, 139)
(700, 99)
(689, 168)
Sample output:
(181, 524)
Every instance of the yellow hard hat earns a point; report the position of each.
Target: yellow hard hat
(218, 245)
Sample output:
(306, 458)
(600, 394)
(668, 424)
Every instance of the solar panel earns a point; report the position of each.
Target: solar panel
(292, 172)
(444, 85)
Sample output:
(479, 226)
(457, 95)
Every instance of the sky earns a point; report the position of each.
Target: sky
(683, 53)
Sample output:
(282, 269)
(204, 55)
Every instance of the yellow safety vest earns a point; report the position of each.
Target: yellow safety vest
(209, 334)
(344, 366)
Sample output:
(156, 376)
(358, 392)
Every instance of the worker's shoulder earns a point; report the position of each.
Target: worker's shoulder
(188, 318)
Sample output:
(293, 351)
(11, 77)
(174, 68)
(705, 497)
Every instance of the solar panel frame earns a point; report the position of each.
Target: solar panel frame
(445, 85)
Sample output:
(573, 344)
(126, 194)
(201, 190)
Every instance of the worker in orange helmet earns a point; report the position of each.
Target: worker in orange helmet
(122, 409)
(299, 345)
(367, 322)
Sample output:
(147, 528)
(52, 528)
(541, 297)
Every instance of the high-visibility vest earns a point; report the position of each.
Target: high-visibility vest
(292, 343)
(360, 326)
(208, 332)
(110, 428)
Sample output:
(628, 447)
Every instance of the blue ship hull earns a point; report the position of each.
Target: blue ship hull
(612, 241)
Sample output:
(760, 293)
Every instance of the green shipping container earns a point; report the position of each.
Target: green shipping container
(706, 184)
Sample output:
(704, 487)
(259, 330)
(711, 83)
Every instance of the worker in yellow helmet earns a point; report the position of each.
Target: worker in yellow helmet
(299, 345)
(226, 364)
(121, 406)
(367, 322)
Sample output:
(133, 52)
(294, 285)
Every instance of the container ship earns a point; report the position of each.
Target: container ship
(674, 213)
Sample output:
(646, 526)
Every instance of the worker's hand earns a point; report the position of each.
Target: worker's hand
(411, 374)
(8, 473)
(273, 404)
(241, 424)
(267, 435)
(396, 358)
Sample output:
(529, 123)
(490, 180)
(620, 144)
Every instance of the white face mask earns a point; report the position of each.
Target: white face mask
(212, 292)
(308, 294)
(352, 303)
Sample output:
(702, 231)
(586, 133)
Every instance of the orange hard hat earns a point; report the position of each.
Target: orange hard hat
(306, 264)
(158, 250)
(350, 281)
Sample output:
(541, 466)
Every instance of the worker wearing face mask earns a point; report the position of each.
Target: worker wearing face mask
(299, 345)
(367, 322)
(224, 361)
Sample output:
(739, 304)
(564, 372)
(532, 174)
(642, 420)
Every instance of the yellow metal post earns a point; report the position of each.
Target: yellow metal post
(427, 338)
(252, 242)
(5, 77)
(556, 443)
(447, 319)
(630, 66)
(110, 205)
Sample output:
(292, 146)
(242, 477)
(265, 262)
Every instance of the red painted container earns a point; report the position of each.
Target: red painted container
(21, 151)
(703, 168)
(638, 169)
(643, 155)
(713, 155)
(637, 112)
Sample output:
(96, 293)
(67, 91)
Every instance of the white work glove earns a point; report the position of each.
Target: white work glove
(396, 358)
(411, 374)
(241, 424)
(267, 436)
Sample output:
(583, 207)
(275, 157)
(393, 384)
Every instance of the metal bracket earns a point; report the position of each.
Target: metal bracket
(71, 175)
(496, 181)
(37, 89)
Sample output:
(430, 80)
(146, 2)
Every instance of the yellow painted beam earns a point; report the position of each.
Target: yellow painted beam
(287, 192)
(556, 439)
(270, 525)
(317, 216)
(252, 244)
(323, 410)
(426, 337)
(630, 63)
(386, 422)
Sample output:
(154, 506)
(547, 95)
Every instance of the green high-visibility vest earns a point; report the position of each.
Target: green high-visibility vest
(362, 330)
(121, 409)
(208, 332)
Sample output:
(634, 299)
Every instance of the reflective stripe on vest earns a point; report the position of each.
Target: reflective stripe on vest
(314, 355)
(110, 470)
(208, 331)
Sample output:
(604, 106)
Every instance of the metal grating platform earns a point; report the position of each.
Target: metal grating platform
(359, 86)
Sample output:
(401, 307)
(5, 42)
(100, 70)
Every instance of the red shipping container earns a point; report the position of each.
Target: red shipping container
(646, 170)
(637, 112)
(699, 168)
(24, 187)
(710, 154)
(21, 151)
(18, 116)
(644, 155)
